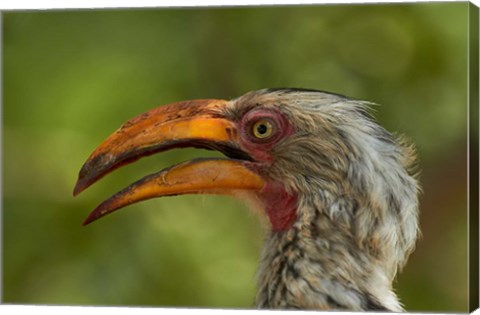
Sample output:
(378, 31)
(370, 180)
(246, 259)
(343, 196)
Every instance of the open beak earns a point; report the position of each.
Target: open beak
(198, 123)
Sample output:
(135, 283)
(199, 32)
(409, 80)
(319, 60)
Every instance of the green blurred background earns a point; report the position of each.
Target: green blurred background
(72, 77)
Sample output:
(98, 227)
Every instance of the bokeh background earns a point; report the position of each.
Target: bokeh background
(70, 78)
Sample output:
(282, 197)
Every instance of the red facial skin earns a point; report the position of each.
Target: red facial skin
(280, 206)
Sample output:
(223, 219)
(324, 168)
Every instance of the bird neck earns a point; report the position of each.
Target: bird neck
(315, 264)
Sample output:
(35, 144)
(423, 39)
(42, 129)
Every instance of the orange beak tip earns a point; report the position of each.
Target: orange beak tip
(81, 184)
(78, 189)
(86, 222)
(89, 220)
(94, 215)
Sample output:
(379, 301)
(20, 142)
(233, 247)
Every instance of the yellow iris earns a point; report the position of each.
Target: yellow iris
(262, 129)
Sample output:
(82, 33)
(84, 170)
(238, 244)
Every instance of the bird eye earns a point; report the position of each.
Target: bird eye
(262, 129)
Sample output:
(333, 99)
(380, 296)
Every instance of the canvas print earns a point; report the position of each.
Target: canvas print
(306, 157)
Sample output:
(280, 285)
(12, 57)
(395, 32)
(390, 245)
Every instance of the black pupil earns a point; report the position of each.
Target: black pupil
(262, 129)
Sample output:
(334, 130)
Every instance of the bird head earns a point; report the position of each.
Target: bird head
(257, 132)
(314, 163)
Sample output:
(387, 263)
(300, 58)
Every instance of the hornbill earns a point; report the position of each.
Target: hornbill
(339, 190)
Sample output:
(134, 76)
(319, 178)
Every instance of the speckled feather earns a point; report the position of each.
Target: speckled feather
(357, 218)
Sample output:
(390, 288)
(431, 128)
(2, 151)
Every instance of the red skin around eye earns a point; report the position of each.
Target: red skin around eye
(260, 149)
(280, 206)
